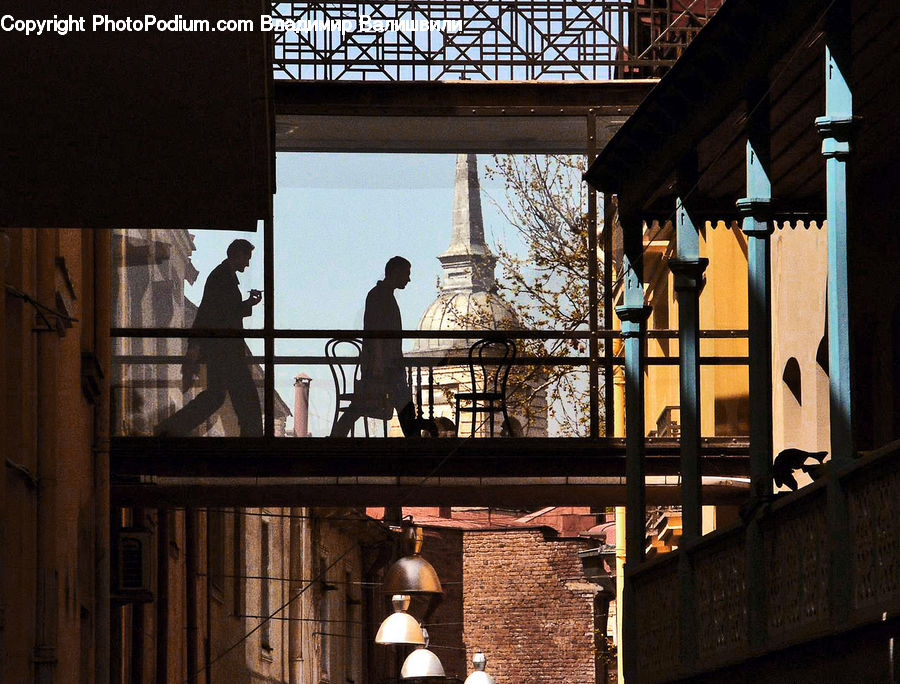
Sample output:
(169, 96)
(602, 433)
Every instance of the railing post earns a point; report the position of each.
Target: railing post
(269, 322)
(836, 128)
(633, 314)
(688, 269)
(758, 226)
(609, 397)
(593, 286)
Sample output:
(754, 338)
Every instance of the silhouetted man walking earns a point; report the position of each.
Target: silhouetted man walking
(227, 364)
(382, 385)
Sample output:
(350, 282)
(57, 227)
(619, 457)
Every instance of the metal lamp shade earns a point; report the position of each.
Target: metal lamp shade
(412, 575)
(400, 627)
(479, 676)
(421, 663)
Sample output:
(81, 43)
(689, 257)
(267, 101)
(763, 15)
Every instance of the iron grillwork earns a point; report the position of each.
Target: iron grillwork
(493, 40)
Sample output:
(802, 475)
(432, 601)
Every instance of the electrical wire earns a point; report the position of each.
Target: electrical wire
(42, 309)
(284, 605)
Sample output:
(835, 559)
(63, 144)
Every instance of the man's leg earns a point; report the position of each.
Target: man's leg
(401, 399)
(345, 423)
(244, 397)
(406, 414)
(198, 410)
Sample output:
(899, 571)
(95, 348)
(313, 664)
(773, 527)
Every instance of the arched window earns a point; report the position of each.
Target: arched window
(791, 400)
(791, 377)
(821, 399)
(822, 354)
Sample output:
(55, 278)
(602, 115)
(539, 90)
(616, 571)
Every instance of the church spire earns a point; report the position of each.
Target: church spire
(468, 263)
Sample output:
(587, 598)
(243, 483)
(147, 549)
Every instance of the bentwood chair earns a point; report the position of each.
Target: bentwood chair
(345, 374)
(490, 361)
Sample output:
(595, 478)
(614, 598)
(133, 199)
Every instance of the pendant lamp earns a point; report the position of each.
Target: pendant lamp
(400, 627)
(422, 663)
(412, 574)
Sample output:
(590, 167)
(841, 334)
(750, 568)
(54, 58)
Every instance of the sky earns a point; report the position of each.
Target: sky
(338, 219)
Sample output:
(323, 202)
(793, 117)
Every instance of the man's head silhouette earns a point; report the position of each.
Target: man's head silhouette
(396, 272)
(238, 254)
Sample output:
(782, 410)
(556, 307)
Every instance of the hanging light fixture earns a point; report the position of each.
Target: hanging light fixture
(412, 574)
(400, 627)
(479, 676)
(422, 663)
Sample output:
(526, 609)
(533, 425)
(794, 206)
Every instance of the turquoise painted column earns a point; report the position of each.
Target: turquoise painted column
(758, 225)
(633, 315)
(836, 128)
(688, 268)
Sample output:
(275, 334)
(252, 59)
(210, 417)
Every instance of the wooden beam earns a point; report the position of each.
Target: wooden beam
(412, 458)
(460, 98)
(188, 492)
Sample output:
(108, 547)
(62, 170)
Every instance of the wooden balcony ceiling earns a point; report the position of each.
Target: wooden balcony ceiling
(452, 117)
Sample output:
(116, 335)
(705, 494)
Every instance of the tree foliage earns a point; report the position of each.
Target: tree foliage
(545, 202)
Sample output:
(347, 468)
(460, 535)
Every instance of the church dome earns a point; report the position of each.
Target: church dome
(467, 298)
(463, 310)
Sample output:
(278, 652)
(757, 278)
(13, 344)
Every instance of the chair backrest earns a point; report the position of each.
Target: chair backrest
(492, 359)
(344, 371)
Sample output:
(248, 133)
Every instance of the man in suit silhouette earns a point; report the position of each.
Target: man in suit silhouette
(227, 364)
(382, 386)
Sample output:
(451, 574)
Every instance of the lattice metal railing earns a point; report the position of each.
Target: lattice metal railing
(517, 40)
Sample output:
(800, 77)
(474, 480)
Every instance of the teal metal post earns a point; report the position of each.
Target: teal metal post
(836, 128)
(688, 268)
(758, 225)
(633, 315)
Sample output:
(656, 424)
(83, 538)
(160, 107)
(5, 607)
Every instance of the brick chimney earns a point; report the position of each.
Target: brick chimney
(301, 405)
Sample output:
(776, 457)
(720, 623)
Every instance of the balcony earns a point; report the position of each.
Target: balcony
(811, 592)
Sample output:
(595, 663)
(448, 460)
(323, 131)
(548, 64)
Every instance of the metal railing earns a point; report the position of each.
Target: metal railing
(430, 40)
(422, 367)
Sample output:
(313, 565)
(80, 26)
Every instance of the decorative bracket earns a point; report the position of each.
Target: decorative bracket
(836, 133)
(633, 319)
(688, 273)
(757, 213)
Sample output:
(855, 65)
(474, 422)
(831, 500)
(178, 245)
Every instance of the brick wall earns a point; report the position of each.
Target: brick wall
(443, 549)
(527, 607)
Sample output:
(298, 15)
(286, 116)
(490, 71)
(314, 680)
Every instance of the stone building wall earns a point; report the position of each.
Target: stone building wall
(528, 607)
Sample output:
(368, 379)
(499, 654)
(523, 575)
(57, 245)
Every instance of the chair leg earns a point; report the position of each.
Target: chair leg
(490, 408)
(384, 424)
(474, 414)
(457, 418)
